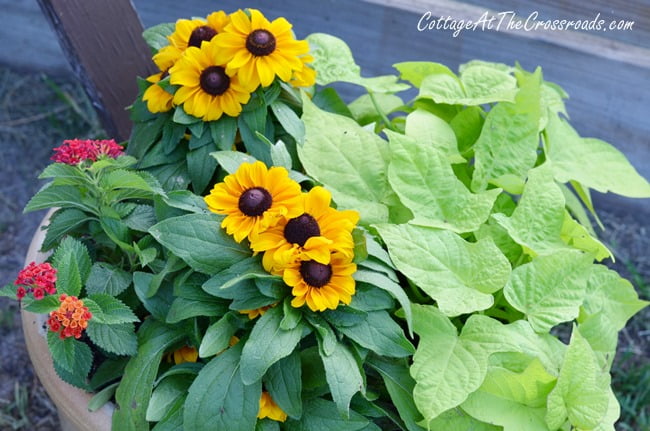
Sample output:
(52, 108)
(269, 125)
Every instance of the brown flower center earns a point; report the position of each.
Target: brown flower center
(260, 42)
(253, 202)
(315, 274)
(214, 80)
(201, 34)
(298, 230)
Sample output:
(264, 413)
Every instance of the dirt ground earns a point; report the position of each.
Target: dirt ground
(37, 113)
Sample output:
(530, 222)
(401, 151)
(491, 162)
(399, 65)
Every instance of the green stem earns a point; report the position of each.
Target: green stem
(381, 113)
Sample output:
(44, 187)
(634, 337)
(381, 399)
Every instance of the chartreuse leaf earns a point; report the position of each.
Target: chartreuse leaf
(577, 236)
(425, 182)
(550, 289)
(513, 394)
(199, 240)
(507, 146)
(333, 62)
(322, 415)
(592, 162)
(267, 344)
(73, 265)
(433, 131)
(609, 302)
(283, 380)
(582, 390)
(133, 394)
(219, 399)
(368, 109)
(458, 420)
(350, 160)
(343, 376)
(416, 71)
(70, 354)
(459, 275)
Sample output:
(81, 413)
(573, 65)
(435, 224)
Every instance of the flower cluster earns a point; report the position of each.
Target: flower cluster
(75, 151)
(217, 62)
(36, 279)
(71, 318)
(303, 238)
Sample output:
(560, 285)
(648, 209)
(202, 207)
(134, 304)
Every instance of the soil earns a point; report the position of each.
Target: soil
(37, 113)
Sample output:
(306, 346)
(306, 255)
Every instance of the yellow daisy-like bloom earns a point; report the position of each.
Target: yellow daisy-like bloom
(189, 32)
(321, 286)
(184, 354)
(305, 77)
(158, 100)
(206, 89)
(314, 234)
(269, 409)
(254, 198)
(258, 50)
(257, 312)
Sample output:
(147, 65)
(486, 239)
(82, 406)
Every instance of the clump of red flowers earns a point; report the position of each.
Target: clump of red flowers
(71, 318)
(75, 151)
(37, 280)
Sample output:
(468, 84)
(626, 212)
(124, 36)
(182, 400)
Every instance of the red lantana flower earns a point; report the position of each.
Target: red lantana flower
(75, 151)
(71, 318)
(36, 279)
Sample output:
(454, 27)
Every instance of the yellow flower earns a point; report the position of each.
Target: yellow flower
(206, 89)
(158, 100)
(254, 198)
(314, 234)
(252, 314)
(305, 77)
(321, 286)
(184, 354)
(258, 50)
(189, 32)
(269, 409)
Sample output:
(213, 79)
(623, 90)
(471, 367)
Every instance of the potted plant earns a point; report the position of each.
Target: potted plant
(261, 255)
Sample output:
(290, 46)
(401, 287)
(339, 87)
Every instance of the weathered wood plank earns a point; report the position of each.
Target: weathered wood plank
(103, 42)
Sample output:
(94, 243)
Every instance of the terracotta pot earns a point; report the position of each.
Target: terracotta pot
(71, 402)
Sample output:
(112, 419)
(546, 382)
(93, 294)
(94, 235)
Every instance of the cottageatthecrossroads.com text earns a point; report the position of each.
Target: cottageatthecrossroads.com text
(510, 21)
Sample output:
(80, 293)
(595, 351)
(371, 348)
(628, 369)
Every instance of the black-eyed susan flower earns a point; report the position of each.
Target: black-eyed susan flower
(207, 90)
(257, 312)
(269, 409)
(321, 286)
(157, 98)
(259, 50)
(305, 77)
(185, 354)
(314, 234)
(254, 198)
(189, 32)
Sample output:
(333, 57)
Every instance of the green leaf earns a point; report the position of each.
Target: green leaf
(181, 117)
(349, 160)
(102, 397)
(509, 140)
(280, 155)
(536, 223)
(322, 415)
(187, 201)
(106, 278)
(379, 333)
(343, 377)
(400, 386)
(199, 240)
(249, 268)
(63, 222)
(109, 310)
(283, 380)
(431, 131)
(201, 167)
(51, 196)
(592, 162)
(289, 121)
(168, 392)
(42, 306)
(333, 62)
(217, 336)
(424, 180)
(327, 337)
(329, 100)
(218, 398)
(183, 308)
(65, 175)
(70, 354)
(223, 132)
(459, 275)
(550, 289)
(73, 264)
(141, 218)
(230, 160)
(115, 338)
(134, 392)
(156, 36)
(268, 343)
(581, 393)
(123, 179)
(292, 315)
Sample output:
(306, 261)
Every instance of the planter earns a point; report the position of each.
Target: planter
(71, 402)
